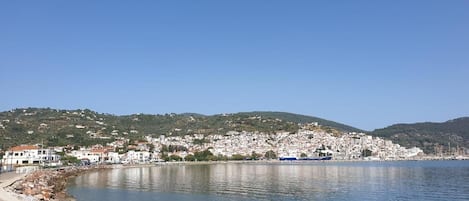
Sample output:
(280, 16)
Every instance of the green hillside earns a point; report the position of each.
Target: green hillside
(298, 118)
(84, 127)
(434, 138)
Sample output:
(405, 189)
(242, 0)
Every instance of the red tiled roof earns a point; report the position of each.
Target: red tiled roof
(99, 151)
(24, 147)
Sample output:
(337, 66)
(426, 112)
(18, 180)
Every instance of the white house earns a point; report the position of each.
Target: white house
(29, 155)
(93, 155)
(137, 157)
(113, 157)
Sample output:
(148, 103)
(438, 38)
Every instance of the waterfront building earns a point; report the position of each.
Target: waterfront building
(30, 155)
(87, 154)
(136, 157)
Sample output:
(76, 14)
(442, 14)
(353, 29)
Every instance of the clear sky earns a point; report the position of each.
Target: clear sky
(368, 64)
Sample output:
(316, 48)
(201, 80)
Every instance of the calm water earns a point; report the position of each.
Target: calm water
(409, 180)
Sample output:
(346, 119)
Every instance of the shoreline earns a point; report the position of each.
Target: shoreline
(45, 184)
(51, 184)
(7, 180)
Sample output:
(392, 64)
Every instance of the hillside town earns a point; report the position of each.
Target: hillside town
(309, 141)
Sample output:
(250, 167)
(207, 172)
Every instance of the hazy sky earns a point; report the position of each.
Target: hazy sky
(368, 64)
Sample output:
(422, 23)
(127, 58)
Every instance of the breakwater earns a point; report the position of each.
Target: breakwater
(50, 184)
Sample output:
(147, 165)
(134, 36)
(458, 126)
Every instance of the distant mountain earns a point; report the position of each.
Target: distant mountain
(85, 127)
(193, 114)
(298, 118)
(433, 138)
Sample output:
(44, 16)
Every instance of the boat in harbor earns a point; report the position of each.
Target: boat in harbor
(289, 158)
(322, 153)
(323, 158)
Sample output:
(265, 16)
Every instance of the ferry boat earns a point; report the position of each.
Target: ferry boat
(288, 158)
(323, 158)
(291, 158)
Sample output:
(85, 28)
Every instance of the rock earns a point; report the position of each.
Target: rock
(19, 187)
(46, 194)
(50, 184)
(28, 191)
(39, 196)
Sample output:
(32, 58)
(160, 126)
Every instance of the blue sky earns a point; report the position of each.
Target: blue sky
(368, 64)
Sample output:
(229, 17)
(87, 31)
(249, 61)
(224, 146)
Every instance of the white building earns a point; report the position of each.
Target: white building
(113, 157)
(30, 155)
(93, 155)
(135, 157)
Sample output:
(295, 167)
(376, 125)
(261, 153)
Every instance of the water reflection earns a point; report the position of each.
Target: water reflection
(288, 181)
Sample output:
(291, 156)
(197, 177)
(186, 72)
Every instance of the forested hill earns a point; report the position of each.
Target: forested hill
(84, 127)
(298, 118)
(431, 137)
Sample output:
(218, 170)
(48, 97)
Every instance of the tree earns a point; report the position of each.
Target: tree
(222, 157)
(164, 156)
(237, 157)
(203, 155)
(366, 153)
(255, 156)
(66, 160)
(212, 158)
(270, 155)
(176, 148)
(303, 155)
(164, 148)
(200, 141)
(175, 158)
(189, 157)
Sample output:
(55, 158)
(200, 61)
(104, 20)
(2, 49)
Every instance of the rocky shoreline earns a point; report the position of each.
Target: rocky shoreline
(49, 184)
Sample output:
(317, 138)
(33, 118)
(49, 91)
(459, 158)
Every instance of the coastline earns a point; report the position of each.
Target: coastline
(45, 184)
(7, 180)
(51, 184)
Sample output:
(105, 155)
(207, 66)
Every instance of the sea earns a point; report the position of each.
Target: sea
(301, 180)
